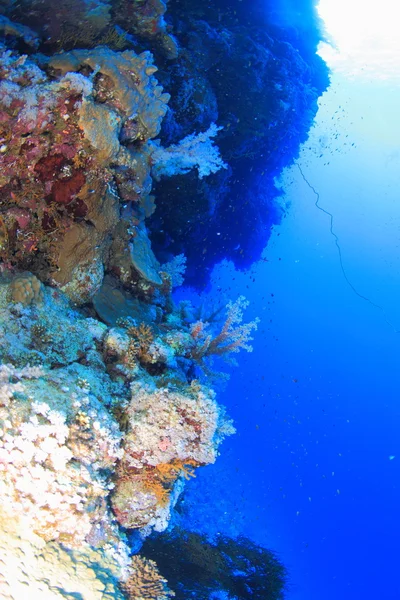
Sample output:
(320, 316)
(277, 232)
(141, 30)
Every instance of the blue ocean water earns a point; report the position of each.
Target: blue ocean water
(313, 471)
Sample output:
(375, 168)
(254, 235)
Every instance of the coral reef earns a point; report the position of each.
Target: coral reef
(145, 582)
(100, 426)
(113, 193)
(60, 213)
(54, 460)
(84, 122)
(260, 80)
(50, 571)
(167, 431)
(249, 71)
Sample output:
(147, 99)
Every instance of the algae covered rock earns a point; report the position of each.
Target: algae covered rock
(143, 259)
(125, 83)
(49, 333)
(67, 125)
(169, 434)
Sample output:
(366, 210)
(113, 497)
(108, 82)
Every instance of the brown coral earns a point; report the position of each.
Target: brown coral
(67, 162)
(145, 581)
(27, 289)
(124, 83)
(140, 340)
(145, 18)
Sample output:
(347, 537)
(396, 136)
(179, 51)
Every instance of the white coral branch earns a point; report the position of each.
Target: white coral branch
(195, 151)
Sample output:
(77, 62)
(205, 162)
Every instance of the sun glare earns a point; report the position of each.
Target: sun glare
(363, 37)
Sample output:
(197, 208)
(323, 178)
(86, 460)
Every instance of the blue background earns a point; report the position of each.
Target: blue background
(309, 473)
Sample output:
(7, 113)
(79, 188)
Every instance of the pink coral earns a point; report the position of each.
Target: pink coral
(233, 336)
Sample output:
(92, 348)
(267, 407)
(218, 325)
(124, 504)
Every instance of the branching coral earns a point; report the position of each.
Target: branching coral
(141, 338)
(194, 151)
(233, 337)
(145, 581)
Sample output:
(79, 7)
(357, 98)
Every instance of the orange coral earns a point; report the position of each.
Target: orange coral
(173, 469)
(160, 479)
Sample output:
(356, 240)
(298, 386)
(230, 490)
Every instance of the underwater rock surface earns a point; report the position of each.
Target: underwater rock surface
(113, 192)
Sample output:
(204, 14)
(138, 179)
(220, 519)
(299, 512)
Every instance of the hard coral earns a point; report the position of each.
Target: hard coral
(18, 31)
(58, 215)
(145, 18)
(75, 22)
(45, 205)
(123, 82)
(40, 448)
(27, 289)
(190, 419)
(168, 432)
(52, 571)
(145, 582)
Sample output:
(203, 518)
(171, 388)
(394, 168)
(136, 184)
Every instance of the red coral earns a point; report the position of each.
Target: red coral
(77, 209)
(4, 117)
(49, 166)
(66, 150)
(22, 217)
(32, 149)
(65, 190)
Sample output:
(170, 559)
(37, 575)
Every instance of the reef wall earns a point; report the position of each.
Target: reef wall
(252, 68)
(138, 147)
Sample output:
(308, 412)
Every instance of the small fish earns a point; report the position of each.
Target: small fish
(391, 457)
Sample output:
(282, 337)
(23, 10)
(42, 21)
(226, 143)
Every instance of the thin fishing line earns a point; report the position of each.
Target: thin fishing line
(330, 215)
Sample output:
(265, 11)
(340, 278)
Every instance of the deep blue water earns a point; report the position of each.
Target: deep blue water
(316, 407)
